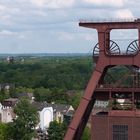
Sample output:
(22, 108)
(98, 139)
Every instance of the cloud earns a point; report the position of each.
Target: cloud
(39, 3)
(7, 33)
(53, 3)
(89, 37)
(65, 36)
(2, 8)
(124, 13)
(49, 20)
(12, 34)
(113, 3)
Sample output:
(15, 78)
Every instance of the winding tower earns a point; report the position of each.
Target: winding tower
(122, 119)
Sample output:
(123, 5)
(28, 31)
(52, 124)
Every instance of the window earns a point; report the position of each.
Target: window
(120, 132)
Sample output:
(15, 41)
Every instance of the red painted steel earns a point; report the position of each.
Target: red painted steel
(105, 60)
(83, 106)
(105, 122)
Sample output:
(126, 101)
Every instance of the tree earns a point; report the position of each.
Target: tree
(27, 118)
(23, 89)
(42, 94)
(56, 131)
(86, 134)
(75, 99)
(57, 93)
(3, 131)
(3, 95)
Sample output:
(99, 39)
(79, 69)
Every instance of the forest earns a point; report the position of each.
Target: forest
(50, 77)
(48, 72)
(47, 77)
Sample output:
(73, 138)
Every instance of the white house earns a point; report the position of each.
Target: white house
(46, 116)
(50, 112)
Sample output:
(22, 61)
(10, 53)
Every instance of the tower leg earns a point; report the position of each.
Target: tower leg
(84, 120)
(82, 113)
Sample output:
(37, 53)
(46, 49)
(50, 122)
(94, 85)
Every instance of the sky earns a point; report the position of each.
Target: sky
(51, 26)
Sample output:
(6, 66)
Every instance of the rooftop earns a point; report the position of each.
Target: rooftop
(56, 107)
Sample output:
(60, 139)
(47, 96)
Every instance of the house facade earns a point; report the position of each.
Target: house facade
(6, 110)
(50, 112)
(46, 116)
(47, 112)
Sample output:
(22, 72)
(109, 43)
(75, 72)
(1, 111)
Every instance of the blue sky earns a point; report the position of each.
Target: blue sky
(51, 26)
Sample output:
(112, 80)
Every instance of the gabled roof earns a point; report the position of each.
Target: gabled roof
(70, 113)
(60, 108)
(10, 102)
(40, 105)
(25, 94)
(56, 107)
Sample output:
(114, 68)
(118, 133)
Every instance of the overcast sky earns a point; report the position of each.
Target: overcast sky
(51, 26)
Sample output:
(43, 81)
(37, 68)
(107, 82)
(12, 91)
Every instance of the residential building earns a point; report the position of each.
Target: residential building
(50, 112)
(6, 110)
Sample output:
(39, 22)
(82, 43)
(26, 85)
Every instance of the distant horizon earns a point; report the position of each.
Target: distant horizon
(44, 54)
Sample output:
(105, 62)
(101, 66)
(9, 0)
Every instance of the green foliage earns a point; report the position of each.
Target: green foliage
(116, 76)
(15, 92)
(48, 78)
(62, 72)
(56, 131)
(4, 95)
(42, 94)
(3, 131)
(53, 95)
(57, 93)
(22, 128)
(86, 134)
(23, 89)
(75, 99)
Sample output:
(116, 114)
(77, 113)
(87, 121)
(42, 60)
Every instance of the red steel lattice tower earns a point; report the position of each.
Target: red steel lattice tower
(107, 55)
